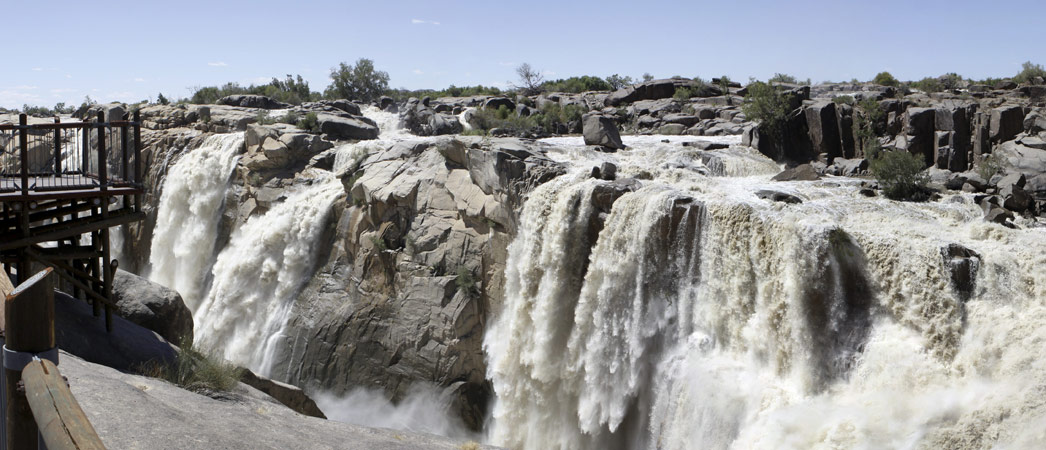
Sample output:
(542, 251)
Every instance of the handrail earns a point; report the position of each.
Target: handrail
(38, 401)
(63, 156)
(63, 424)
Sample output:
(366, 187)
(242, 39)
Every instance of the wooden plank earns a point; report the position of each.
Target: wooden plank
(29, 314)
(70, 228)
(62, 422)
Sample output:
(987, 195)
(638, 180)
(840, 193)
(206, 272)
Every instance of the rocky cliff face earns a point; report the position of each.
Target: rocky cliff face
(416, 263)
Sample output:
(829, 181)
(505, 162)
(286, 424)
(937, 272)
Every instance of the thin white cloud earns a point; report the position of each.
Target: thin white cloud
(418, 72)
(548, 73)
(38, 69)
(62, 91)
(68, 75)
(217, 64)
(139, 80)
(506, 64)
(423, 22)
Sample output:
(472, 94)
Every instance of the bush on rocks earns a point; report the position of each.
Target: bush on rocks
(900, 175)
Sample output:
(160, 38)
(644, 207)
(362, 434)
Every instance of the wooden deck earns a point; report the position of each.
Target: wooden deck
(60, 218)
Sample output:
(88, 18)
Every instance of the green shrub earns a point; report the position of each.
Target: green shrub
(553, 115)
(843, 100)
(1028, 72)
(264, 118)
(293, 90)
(291, 118)
(768, 106)
(465, 281)
(577, 85)
(929, 85)
(617, 81)
(783, 78)
(359, 81)
(485, 119)
(989, 167)
(309, 123)
(885, 79)
(868, 120)
(195, 370)
(900, 175)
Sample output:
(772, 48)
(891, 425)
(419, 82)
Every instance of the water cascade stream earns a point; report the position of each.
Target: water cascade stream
(698, 315)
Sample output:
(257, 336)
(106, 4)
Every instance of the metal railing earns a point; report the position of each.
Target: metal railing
(70, 156)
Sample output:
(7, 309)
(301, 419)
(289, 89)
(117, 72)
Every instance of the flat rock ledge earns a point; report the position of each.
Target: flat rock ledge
(135, 412)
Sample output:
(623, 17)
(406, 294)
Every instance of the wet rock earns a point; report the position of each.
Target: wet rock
(606, 171)
(802, 172)
(346, 128)
(778, 196)
(848, 167)
(601, 130)
(963, 264)
(706, 145)
(999, 216)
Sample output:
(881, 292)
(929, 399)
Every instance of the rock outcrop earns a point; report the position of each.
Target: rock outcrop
(130, 411)
(601, 130)
(152, 306)
(252, 101)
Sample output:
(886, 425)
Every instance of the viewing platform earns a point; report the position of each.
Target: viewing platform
(62, 187)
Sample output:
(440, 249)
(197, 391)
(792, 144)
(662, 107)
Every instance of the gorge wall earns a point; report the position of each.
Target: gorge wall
(668, 302)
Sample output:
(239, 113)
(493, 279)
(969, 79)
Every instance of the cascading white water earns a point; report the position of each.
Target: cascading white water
(240, 295)
(182, 248)
(257, 275)
(705, 317)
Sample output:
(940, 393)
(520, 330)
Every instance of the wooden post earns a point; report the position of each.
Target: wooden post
(23, 142)
(29, 316)
(57, 148)
(63, 424)
(138, 160)
(124, 161)
(103, 169)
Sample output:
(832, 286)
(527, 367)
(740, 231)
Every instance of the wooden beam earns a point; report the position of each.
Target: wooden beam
(62, 422)
(71, 228)
(29, 315)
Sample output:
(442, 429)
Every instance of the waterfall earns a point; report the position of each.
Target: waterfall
(257, 275)
(696, 315)
(182, 248)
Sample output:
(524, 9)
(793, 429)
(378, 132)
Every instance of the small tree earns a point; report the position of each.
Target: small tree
(161, 99)
(766, 105)
(724, 85)
(900, 175)
(617, 81)
(1028, 72)
(783, 78)
(358, 81)
(647, 77)
(530, 79)
(885, 79)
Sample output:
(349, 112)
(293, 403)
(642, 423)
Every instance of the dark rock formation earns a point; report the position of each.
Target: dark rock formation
(252, 101)
(152, 306)
(346, 128)
(601, 130)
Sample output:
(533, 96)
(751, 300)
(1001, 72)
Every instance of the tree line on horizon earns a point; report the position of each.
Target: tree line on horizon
(361, 81)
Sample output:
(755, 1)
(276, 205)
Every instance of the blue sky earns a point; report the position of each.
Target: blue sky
(129, 51)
